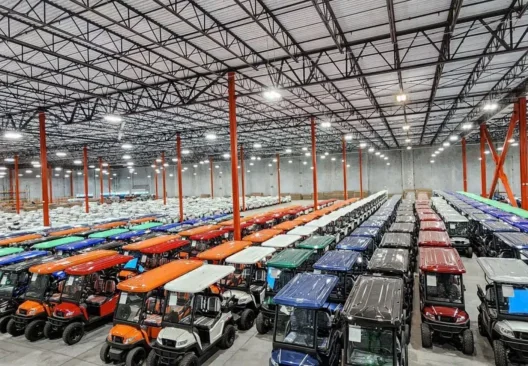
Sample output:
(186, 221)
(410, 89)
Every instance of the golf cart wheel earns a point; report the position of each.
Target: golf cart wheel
(261, 325)
(73, 333)
(468, 345)
(469, 252)
(35, 330)
(228, 338)
(136, 357)
(152, 359)
(3, 323)
(189, 359)
(501, 354)
(12, 328)
(49, 332)
(427, 336)
(247, 319)
(481, 329)
(407, 332)
(104, 353)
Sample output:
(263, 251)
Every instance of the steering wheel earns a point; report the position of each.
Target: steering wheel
(385, 351)
(124, 311)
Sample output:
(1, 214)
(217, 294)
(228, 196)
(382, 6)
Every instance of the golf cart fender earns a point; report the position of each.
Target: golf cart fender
(184, 337)
(447, 311)
(129, 334)
(70, 311)
(242, 297)
(32, 308)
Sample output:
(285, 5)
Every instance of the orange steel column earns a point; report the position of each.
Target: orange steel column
(345, 189)
(243, 179)
(464, 164)
(50, 176)
(180, 188)
(211, 169)
(71, 184)
(314, 162)
(360, 174)
(109, 182)
(85, 163)
(17, 187)
(155, 181)
(163, 178)
(44, 168)
(483, 160)
(523, 150)
(101, 184)
(11, 187)
(234, 156)
(278, 178)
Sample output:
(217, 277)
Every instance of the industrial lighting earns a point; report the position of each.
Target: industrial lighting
(500, 148)
(382, 155)
(58, 169)
(104, 164)
(433, 155)
(511, 141)
(77, 162)
(446, 144)
(60, 154)
(216, 166)
(249, 171)
(441, 149)
(115, 175)
(407, 140)
(201, 162)
(370, 150)
(304, 149)
(9, 160)
(467, 126)
(36, 165)
(206, 161)
(388, 163)
(126, 157)
(333, 159)
(174, 159)
(453, 137)
(210, 136)
(68, 171)
(288, 151)
(409, 148)
(401, 98)
(195, 166)
(515, 144)
(348, 137)
(272, 95)
(97, 169)
(258, 157)
(57, 175)
(185, 152)
(377, 153)
(226, 156)
(257, 145)
(386, 158)
(79, 173)
(112, 118)
(289, 161)
(363, 145)
(66, 176)
(269, 164)
(130, 163)
(323, 157)
(348, 165)
(432, 161)
(251, 164)
(12, 135)
(486, 152)
(307, 154)
(490, 106)
(127, 146)
(166, 164)
(253, 158)
(158, 160)
(304, 163)
(37, 176)
(35, 162)
(29, 171)
(406, 127)
(326, 124)
(148, 176)
(274, 160)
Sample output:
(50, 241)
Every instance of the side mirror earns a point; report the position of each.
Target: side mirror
(480, 293)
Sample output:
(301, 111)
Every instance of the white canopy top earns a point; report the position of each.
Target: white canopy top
(199, 279)
(281, 241)
(321, 222)
(250, 255)
(302, 230)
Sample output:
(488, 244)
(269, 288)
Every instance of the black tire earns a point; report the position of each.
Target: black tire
(49, 332)
(12, 329)
(469, 252)
(468, 344)
(427, 336)
(407, 332)
(3, 323)
(73, 333)
(481, 329)
(104, 353)
(189, 359)
(501, 354)
(152, 359)
(261, 325)
(228, 337)
(247, 319)
(337, 352)
(136, 357)
(35, 330)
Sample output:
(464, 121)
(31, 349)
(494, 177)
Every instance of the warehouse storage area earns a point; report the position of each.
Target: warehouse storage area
(263, 182)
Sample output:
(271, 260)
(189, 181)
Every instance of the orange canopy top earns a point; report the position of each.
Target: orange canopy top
(287, 225)
(232, 222)
(111, 225)
(198, 230)
(222, 251)
(262, 235)
(143, 219)
(62, 264)
(306, 218)
(149, 242)
(73, 230)
(19, 239)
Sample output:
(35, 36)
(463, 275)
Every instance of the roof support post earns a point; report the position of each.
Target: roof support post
(50, 177)
(314, 162)
(482, 161)
(109, 182)
(17, 186)
(71, 184)
(234, 157)
(44, 168)
(163, 178)
(101, 184)
(85, 163)
(180, 186)
(243, 178)
(11, 187)
(523, 150)
(278, 178)
(212, 180)
(345, 189)
(155, 181)
(360, 174)
(464, 164)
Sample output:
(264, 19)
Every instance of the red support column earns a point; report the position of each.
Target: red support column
(163, 178)
(212, 182)
(109, 182)
(17, 187)
(314, 163)
(71, 184)
(234, 156)
(11, 187)
(482, 160)
(523, 144)
(360, 174)
(101, 184)
(464, 164)
(50, 176)
(180, 187)
(345, 189)
(85, 163)
(44, 168)
(155, 181)
(278, 178)
(243, 178)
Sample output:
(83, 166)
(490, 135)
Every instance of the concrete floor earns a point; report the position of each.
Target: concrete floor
(250, 348)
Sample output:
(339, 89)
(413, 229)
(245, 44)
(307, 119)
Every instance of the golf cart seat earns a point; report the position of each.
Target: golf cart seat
(56, 296)
(99, 299)
(153, 306)
(208, 310)
(259, 280)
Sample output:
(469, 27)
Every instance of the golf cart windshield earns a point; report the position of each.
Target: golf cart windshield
(241, 278)
(513, 299)
(8, 281)
(278, 278)
(457, 229)
(369, 346)
(178, 309)
(444, 287)
(129, 307)
(73, 288)
(295, 326)
(37, 286)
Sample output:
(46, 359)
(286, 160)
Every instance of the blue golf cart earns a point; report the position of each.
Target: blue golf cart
(362, 244)
(73, 248)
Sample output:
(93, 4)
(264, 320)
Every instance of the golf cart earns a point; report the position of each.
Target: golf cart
(318, 245)
(218, 254)
(137, 318)
(186, 234)
(402, 227)
(458, 230)
(503, 312)
(43, 293)
(246, 228)
(4, 252)
(195, 319)
(21, 257)
(106, 234)
(442, 299)
(281, 268)
(365, 245)
(89, 296)
(375, 331)
(209, 239)
(432, 226)
(368, 232)
(19, 239)
(261, 236)
(346, 265)
(246, 287)
(485, 242)
(433, 239)
(281, 242)
(511, 245)
(287, 225)
(304, 231)
(77, 246)
(307, 331)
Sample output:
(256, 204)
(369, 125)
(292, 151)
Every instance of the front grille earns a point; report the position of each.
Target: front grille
(117, 339)
(446, 319)
(523, 336)
(59, 314)
(22, 312)
(169, 343)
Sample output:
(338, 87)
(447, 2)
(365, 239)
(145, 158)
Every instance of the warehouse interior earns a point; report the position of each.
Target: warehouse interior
(131, 124)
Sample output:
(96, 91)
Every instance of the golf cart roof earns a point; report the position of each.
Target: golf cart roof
(290, 258)
(517, 240)
(402, 227)
(434, 239)
(198, 230)
(111, 225)
(26, 265)
(57, 242)
(287, 225)
(250, 255)
(159, 276)
(129, 235)
(150, 242)
(306, 290)
(222, 251)
(441, 260)
(389, 260)
(144, 219)
(281, 241)
(62, 264)
(307, 218)
(396, 240)
(78, 245)
(482, 217)
(19, 239)
(303, 230)
(165, 246)
(429, 217)
(70, 231)
(321, 222)
(145, 226)
(376, 299)
(432, 226)
(370, 232)
(210, 235)
(316, 242)
(373, 223)
(504, 270)
(99, 264)
(21, 257)
(107, 233)
(199, 279)
(497, 226)
(337, 260)
(455, 217)
(262, 235)
(9, 251)
(355, 243)
(407, 219)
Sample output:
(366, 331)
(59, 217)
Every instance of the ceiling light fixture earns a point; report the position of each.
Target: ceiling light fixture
(126, 157)
(127, 146)
(453, 137)
(446, 144)
(409, 148)
(467, 126)
(326, 124)
(185, 152)
(60, 154)
(490, 106)
(210, 136)
(288, 151)
(401, 98)
(406, 127)
(272, 95)
(112, 118)
(257, 145)
(12, 135)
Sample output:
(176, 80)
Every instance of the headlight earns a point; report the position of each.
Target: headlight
(32, 312)
(182, 343)
(429, 315)
(461, 319)
(130, 340)
(505, 330)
